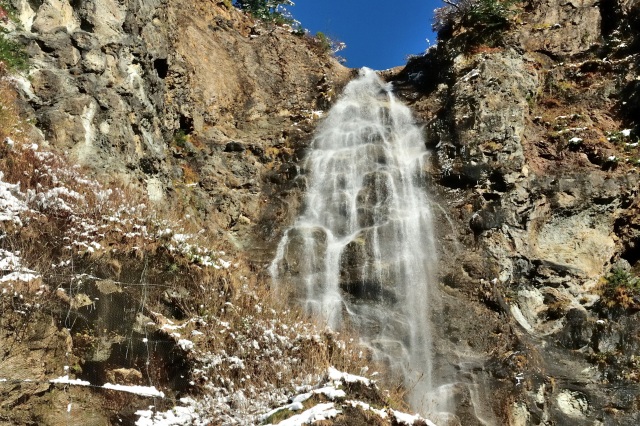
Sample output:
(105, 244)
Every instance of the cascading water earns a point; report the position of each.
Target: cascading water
(362, 252)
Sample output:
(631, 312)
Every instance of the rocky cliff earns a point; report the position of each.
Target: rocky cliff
(536, 163)
(533, 124)
(193, 99)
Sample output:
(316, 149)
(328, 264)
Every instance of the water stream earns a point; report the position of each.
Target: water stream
(362, 251)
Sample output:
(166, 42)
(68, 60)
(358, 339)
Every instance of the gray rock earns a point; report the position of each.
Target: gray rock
(563, 30)
(294, 262)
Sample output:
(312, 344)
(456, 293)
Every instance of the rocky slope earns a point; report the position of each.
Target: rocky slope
(536, 156)
(190, 100)
(534, 129)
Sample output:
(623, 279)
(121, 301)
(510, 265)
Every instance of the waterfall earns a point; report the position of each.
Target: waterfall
(362, 252)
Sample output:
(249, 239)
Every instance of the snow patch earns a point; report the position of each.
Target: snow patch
(314, 414)
(8, 260)
(138, 390)
(25, 277)
(186, 345)
(11, 202)
(67, 381)
(177, 416)
(366, 407)
(408, 419)
(337, 376)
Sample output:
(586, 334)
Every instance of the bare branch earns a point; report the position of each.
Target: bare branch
(451, 3)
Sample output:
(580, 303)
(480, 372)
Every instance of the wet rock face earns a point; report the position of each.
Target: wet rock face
(360, 277)
(374, 199)
(301, 243)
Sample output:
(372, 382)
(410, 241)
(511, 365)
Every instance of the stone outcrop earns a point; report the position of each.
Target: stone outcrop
(483, 128)
(563, 30)
(189, 100)
(539, 180)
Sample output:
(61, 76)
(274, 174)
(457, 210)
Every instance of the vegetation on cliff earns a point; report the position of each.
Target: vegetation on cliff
(12, 54)
(268, 10)
(474, 14)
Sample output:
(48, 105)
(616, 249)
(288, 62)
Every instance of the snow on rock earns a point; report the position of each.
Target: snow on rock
(331, 392)
(186, 345)
(408, 419)
(11, 202)
(324, 411)
(366, 407)
(297, 401)
(67, 381)
(337, 376)
(296, 405)
(19, 277)
(13, 271)
(138, 390)
(177, 416)
(313, 414)
(9, 261)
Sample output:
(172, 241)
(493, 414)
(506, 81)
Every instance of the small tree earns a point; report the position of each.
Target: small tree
(264, 9)
(446, 16)
(488, 14)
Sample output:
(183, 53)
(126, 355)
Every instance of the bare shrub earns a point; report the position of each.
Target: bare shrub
(486, 14)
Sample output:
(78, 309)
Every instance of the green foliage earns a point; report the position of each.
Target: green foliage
(180, 138)
(326, 44)
(323, 41)
(620, 288)
(12, 54)
(491, 13)
(622, 278)
(268, 10)
(9, 8)
(285, 413)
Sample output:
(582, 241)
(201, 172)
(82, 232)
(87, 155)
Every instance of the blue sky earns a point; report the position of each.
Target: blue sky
(379, 33)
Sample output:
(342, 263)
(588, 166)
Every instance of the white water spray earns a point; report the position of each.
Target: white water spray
(362, 252)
